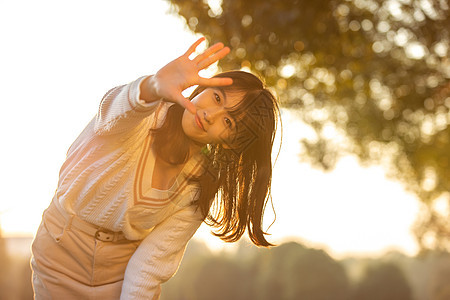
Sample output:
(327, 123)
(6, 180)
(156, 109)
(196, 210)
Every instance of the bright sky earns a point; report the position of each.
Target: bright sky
(58, 58)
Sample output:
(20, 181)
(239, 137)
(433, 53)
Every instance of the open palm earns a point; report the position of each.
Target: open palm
(171, 80)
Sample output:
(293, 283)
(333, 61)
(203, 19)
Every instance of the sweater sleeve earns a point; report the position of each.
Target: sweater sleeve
(121, 109)
(158, 256)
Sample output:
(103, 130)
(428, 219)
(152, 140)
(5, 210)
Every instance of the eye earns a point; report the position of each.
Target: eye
(217, 97)
(228, 122)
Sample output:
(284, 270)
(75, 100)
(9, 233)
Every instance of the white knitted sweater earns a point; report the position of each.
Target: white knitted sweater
(106, 180)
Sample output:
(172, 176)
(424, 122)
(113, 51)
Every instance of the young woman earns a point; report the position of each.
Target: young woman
(147, 171)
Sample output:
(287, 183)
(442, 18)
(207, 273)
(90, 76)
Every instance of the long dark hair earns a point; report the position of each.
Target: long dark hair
(235, 188)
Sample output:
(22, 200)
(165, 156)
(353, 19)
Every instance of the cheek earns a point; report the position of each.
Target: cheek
(185, 122)
(189, 127)
(219, 134)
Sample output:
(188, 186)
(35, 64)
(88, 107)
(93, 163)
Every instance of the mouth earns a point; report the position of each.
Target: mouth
(199, 122)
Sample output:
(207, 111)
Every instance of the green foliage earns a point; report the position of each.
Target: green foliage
(372, 73)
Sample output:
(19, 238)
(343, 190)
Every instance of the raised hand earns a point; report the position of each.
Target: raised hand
(181, 73)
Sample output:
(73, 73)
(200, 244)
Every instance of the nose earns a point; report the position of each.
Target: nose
(211, 115)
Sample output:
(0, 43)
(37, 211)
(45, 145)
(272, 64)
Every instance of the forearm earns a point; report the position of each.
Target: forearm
(122, 109)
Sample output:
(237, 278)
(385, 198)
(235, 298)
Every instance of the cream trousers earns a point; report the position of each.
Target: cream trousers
(69, 263)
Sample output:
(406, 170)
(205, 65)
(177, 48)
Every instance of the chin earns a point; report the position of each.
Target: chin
(191, 129)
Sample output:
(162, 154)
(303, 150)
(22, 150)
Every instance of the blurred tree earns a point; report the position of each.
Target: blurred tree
(369, 76)
(435, 269)
(221, 278)
(203, 275)
(383, 281)
(292, 271)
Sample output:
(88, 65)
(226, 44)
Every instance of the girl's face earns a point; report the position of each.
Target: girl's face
(212, 123)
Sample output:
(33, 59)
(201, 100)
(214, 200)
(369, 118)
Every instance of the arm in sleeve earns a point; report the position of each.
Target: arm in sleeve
(121, 109)
(158, 256)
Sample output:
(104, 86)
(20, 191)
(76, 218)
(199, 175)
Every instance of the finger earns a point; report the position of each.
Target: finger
(194, 46)
(213, 58)
(215, 81)
(211, 50)
(186, 104)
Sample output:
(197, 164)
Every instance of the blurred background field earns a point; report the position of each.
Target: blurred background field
(361, 184)
(288, 271)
